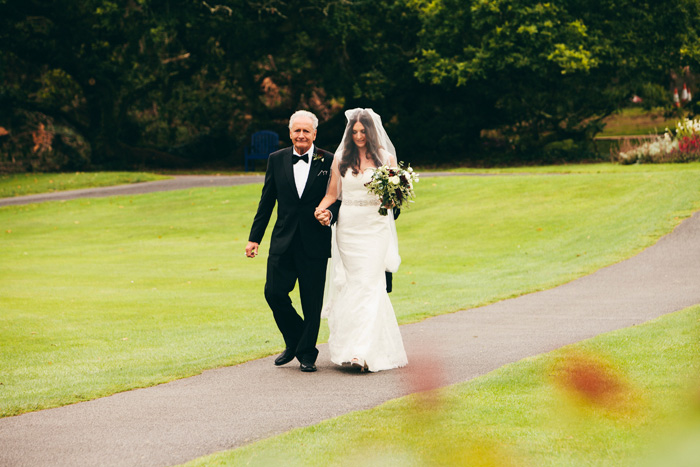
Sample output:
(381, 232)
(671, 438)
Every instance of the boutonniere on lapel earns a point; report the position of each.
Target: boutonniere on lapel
(318, 157)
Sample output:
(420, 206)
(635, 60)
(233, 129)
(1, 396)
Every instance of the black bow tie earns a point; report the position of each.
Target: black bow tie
(296, 158)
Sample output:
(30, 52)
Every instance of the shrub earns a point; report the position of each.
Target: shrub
(34, 142)
(683, 146)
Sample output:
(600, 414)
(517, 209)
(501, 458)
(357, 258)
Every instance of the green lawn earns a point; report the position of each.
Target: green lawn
(626, 398)
(104, 295)
(32, 183)
(638, 121)
(601, 168)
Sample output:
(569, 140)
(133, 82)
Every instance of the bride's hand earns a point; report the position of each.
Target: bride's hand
(323, 216)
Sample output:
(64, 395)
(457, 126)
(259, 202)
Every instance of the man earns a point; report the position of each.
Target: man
(296, 179)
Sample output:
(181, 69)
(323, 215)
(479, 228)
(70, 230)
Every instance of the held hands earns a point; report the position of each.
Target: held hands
(323, 216)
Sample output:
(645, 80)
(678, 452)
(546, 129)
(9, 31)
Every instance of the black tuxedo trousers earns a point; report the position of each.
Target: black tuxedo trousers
(283, 271)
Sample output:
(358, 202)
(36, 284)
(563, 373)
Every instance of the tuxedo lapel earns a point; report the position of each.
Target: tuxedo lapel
(313, 175)
(289, 170)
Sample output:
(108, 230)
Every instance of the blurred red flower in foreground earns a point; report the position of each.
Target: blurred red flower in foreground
(426, 375)
(592, 379)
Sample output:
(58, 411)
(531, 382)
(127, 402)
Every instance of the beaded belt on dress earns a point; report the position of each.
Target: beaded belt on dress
(361, 202)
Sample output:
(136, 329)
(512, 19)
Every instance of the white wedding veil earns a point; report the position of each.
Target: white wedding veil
(379, 146)
(377, 136)
(346, 159)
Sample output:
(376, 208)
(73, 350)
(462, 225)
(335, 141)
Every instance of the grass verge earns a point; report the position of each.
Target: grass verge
(601, 168)
(104, 295)
(31, 183)
(626, 398)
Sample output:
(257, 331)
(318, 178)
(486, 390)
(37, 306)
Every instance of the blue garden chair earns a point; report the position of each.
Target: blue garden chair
(261, 145)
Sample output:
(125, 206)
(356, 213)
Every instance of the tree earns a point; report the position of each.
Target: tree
(550, 72)
(98, 66)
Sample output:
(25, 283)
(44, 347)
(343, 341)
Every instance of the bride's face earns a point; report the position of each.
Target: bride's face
(358, 135)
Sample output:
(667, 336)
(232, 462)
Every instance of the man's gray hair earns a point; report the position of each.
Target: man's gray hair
(303, 113)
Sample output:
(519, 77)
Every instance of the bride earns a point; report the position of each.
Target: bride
(363, 328)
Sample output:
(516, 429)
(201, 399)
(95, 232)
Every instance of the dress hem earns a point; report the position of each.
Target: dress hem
(344, 362)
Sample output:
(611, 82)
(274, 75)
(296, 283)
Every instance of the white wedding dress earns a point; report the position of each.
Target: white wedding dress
(361, 319)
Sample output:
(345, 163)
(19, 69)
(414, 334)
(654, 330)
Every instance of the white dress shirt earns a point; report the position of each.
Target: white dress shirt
(301, 170)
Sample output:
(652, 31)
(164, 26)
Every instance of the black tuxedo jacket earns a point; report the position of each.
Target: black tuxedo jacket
(294, 213)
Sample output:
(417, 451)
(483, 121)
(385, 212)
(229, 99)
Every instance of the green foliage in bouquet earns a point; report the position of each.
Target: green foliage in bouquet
(393, 186)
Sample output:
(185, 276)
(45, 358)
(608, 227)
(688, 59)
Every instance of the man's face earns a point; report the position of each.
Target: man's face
(302, 134)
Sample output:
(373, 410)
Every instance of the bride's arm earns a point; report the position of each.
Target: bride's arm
(330, 198)
(331, 193)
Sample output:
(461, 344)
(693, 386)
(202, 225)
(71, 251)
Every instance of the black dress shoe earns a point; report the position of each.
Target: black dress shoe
(285, 357)
(307, 368)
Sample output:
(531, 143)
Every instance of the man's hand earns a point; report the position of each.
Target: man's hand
(323, 216)
(251, 249)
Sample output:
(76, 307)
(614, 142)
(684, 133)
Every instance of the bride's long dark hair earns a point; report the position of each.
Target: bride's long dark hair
(351, 155)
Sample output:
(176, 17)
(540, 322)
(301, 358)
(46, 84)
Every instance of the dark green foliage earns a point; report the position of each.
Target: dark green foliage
(553, 70)
(133, 79)
(182, 83)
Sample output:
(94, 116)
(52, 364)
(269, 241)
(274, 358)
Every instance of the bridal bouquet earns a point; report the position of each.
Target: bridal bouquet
(393, 186)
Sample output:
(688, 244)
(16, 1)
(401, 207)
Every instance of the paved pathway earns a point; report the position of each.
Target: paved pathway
(178, 182)
(229, 407)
